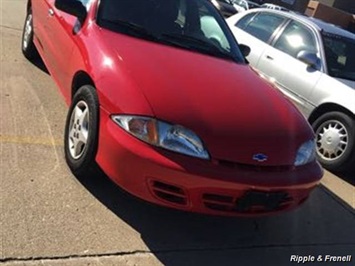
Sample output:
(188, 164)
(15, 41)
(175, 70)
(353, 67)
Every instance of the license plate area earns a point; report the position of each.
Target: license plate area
(261, 201)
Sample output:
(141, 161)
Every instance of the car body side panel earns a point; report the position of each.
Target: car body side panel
(257, 47)
(60, 45)
(331, 90)
(296, 79)
(40, 18)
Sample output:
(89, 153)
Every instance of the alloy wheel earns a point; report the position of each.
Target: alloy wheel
(332, 140)
(78, 130)
(27, 34)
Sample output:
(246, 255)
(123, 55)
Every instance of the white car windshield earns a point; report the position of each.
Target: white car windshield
(188, 24)
(340, 54)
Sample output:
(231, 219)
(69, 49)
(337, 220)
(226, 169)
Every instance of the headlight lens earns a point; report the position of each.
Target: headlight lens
(171, 137)
(306, 153)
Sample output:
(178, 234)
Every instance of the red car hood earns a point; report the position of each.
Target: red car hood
(234, 111)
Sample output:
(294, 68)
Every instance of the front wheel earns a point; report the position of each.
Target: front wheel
(335, 137)
(81, 131)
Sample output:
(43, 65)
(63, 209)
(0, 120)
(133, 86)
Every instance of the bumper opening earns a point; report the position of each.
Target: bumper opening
(250, 202)
(168, 192)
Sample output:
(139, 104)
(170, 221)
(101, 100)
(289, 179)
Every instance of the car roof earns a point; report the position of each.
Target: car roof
(315, 23)
(332, 29)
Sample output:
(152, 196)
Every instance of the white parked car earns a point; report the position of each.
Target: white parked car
(275, 7)
(313, 64)
(243, 5)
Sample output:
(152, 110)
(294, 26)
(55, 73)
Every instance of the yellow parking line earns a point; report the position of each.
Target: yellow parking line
(31, 140)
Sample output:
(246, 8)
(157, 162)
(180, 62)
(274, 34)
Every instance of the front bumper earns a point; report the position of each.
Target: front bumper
(191, 184)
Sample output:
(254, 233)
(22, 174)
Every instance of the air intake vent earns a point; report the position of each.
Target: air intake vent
(169, 193)
(218, 202)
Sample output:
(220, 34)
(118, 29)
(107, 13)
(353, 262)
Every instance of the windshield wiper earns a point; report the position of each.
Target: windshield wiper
(139, 31)
(203, 46)
(131, 28)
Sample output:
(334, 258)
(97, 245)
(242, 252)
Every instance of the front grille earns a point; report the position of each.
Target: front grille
(168, 192)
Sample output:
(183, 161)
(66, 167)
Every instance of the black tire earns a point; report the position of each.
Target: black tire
(27, 46)
(330, 128)
(82, 123)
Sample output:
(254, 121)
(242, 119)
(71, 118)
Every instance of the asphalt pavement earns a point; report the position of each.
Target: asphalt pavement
(49, 217)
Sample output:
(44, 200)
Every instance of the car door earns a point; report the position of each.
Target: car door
(60, 41)
(256, 31)
(40, 17)
(294, 77)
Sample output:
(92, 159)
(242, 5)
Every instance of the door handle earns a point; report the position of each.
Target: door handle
(269, 57)
(51, 12)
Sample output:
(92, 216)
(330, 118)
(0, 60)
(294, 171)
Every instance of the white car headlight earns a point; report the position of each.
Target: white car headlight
(306, 153)
(171, 137)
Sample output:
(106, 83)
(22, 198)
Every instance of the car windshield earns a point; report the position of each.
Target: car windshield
(340, 54)
(188, 24)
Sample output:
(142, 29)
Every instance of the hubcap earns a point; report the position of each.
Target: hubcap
(78, 129)
(28, 31)
(332, 140)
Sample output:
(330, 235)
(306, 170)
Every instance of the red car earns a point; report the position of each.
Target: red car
(162, 99)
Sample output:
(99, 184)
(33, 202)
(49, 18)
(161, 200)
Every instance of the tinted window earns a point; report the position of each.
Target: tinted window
(263, 25)
(243, 22)
(340, 55)
(189, 24)
(296, 38)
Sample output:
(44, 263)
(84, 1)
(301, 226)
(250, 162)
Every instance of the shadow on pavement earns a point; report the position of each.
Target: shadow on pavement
(38, 62)
(321, 226)
(348, 177)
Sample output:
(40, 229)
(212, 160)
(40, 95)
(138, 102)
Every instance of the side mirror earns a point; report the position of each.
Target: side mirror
(244, 49)
(309, 58)
(72, 7)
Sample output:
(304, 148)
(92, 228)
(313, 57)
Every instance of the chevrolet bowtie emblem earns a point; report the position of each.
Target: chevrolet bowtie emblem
(260, 157)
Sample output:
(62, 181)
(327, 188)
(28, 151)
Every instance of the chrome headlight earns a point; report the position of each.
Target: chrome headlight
(157, 133)
(306, 153)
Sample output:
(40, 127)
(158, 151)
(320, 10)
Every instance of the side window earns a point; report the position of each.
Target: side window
(340, 54)
(242, 23)
(295, 39)
(263, 25)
